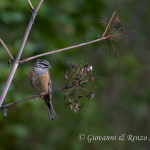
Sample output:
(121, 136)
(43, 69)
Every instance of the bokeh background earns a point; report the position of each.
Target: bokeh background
(122, 101)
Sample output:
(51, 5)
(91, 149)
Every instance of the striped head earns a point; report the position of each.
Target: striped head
(41, 66)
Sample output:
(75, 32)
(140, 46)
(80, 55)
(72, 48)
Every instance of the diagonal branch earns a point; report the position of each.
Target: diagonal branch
(9, 53)
(16, 62)
(109, 23)
(35, 96)
(30, 4)
(73, 73)
(64, 49)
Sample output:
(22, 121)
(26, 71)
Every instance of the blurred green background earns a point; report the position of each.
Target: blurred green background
(122, 101)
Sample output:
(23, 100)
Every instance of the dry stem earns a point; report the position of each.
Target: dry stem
(35, 96)
(16, 62)
(9, 53)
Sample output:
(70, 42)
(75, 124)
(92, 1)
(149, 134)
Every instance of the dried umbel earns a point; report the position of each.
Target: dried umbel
(79, 80)
(114, 30)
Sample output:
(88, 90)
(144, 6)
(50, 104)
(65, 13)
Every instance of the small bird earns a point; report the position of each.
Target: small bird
(40, 81)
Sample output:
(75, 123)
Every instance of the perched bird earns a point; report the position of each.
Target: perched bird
(40, 81)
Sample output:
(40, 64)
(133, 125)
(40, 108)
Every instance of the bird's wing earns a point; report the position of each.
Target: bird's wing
(51, 111)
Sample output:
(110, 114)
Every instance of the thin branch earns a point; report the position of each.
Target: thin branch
(73, 73)
(84, 81)
(113, 46)
(118, 38)
(69, 91)
(84, 89)
(77, 88)
(33, 97)
(16, 62)
(109, 23)
(114, 30)
(31, 5)
(9, 53)
(113, 35)
(64, 49)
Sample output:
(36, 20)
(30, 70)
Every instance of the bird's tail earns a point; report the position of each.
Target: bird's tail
(51, 111)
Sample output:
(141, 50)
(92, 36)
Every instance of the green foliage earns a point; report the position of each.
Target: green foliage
(121, 104)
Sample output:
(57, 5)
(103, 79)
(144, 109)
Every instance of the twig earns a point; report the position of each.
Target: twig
(64, 49)
(113, 35)
(77, 88)
(109, 23)
(73, 73)
(69, 90)
(16, 62)
(31, 5)
(84, 89)
(9, 53)
(114, 30)
(113, 46)
(84, 81)
(32, 97)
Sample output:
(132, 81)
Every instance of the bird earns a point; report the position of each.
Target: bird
(40, 80)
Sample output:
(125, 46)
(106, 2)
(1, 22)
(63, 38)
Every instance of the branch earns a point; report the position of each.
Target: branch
(31, 5)
(32, 97)
(109, 23)
(16, 62)
(74, 46)
(9, 53)
(64, 49)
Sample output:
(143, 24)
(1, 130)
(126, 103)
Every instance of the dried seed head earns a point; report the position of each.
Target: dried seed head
(88, 68)
(92, 78)
(76, 101)
(72, 65)
(76, 108)
(117, 19)
(66, 74)
(91, 96)
(82, 69)
(70, 106)
(70, 103)
(80, 105)
(79, 81)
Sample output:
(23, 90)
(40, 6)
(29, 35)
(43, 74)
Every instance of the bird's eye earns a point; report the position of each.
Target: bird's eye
(45, 64)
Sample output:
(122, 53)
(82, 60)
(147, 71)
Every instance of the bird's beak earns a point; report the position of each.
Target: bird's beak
(49, 67)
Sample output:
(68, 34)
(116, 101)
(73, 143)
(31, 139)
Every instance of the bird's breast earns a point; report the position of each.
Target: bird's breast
(39, 82)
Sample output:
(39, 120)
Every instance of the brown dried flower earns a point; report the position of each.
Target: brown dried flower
(79, 81)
